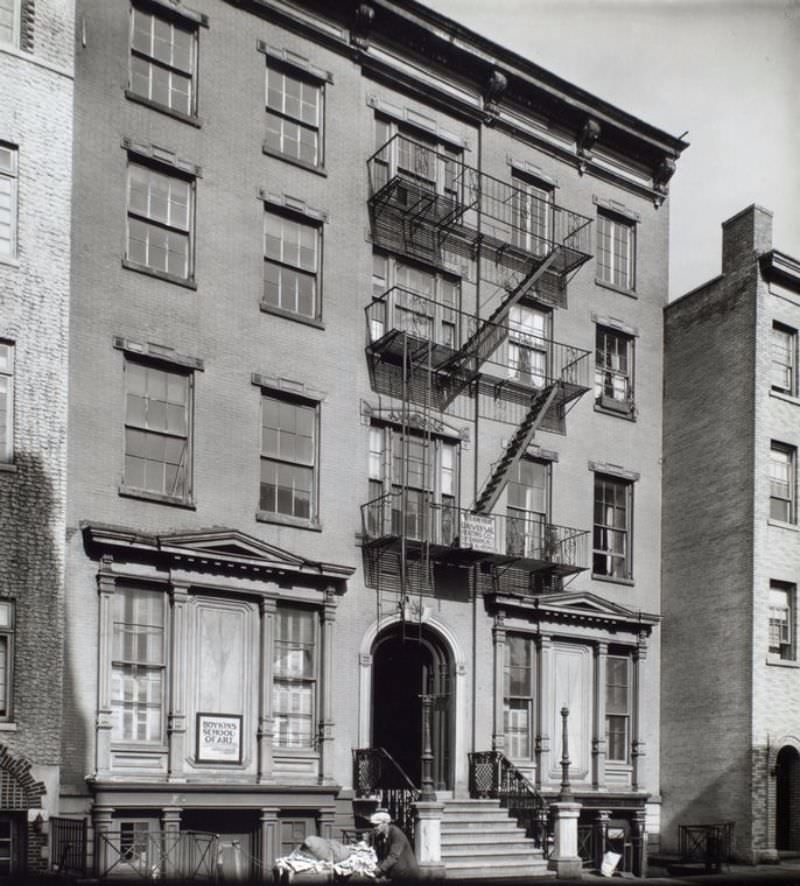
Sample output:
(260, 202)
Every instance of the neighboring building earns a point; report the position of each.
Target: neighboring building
(730, 748)
(278, 542)
(36, 85)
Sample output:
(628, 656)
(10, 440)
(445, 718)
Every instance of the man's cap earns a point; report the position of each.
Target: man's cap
(380, 818)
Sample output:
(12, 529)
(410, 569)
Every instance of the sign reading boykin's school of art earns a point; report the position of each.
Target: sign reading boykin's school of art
(219, 738)
(478, 531)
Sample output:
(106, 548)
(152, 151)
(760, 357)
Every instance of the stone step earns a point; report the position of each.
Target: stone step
(498, 869)
(486, 850)
(472, 836)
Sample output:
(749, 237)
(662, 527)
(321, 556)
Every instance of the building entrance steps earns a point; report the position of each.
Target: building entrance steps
(481, 840)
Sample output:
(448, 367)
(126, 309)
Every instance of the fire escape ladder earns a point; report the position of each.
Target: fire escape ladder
(540, 403)
(464, 365)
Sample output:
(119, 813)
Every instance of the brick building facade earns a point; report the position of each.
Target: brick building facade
(36, 83)
(730, 691)
(365, 405)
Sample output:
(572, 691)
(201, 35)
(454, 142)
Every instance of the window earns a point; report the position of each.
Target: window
(8, 196)
(6, 402)
(295, 678)
(528, 343)
(528, 507)
(532, 216)
(137, 849)
(613, 369)
(616, 247)
(137, 668)
(288, 458)
(418, 157)
(291, 264)
(426, 470)
(7, 627)
(9, 21)
(158, 430)
(782, 620)
(782, 482)
(163, 61)
(160, 216)
(618, 708)
(612, 523)
(518, 702)
(422, 302)
(294, 114)
(784, 359)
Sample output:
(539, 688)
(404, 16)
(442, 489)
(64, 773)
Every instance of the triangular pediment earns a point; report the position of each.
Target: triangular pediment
(228, 544)
(584, 601)
(576, 606)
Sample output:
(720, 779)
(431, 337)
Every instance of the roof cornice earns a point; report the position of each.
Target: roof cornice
(781, 267)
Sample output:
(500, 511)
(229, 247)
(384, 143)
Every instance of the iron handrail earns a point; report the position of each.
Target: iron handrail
(376, 774)
(493, 776)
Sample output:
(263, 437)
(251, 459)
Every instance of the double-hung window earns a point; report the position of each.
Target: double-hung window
(782, 620)
(7, 628)
(9, 21)
(618, 708)
(532, 216)
(294, 678)
(783, 482)
(163, 60)
(158, 407)
(8, 201)
(289, 457)
(528, 345)
(160, 219)
(784, 359)
(616, 251)
(292, 248)
(613, 369)
(138, 665)
(528, 507)
(518, 692)
(612, 527)
(6, 402)
(294, 114)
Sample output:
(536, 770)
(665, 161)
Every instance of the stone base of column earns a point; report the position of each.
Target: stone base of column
(428, 834)
(432, 872)
(565, 860)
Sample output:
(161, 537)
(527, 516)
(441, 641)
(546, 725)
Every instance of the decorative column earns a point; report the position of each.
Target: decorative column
(499, 642)
(101, 822)
(106, 586)
(637, 717)
(326, 723)
(639, 841)
(179, 667)
(268, 837)
(427, 794)
(265, 733)
(600, 835)
(599, 724)
(170, 835)
(565, 860)
(326, 821)
(544, 689)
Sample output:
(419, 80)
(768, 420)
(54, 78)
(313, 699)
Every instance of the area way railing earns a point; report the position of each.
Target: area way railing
(186, 855)
(377, 775)
(493, 776)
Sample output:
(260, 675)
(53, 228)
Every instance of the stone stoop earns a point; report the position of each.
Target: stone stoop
(481, 840)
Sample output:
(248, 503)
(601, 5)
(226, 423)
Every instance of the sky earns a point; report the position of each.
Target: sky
(728, 71)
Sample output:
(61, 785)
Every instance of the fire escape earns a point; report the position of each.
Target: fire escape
(436, 360)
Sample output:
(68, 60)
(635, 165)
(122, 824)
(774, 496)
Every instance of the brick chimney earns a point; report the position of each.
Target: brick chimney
(744, 235)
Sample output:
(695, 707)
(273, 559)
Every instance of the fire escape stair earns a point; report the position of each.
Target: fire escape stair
(519, 443)
(480, 840)
(463, 366)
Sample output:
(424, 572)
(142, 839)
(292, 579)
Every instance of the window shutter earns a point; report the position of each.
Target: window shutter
(26, 25)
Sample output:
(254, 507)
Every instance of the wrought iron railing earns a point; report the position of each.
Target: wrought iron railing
(68, 845)
(430, 186)
(493, 776)
(377, 775)
(187, 855)
(711, 844)
(517, 535)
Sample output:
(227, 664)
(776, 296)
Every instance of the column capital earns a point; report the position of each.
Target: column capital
(601, 647)
(179, 590)
(268, 605)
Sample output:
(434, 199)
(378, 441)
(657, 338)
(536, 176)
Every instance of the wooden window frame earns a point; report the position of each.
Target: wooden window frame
(626, 487)
(788, 501)
(603, 372)
(783, 616)
(7, 418)
(525, 753)
(7, 636)
(312, 681)
(609, 272)
(626, 716)
(787, 368)
(9, 176)
(282, 264)
(282, 117)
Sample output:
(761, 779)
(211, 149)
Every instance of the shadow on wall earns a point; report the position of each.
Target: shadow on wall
(727, 797)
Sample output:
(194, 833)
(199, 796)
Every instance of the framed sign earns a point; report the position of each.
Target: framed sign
(219, 738)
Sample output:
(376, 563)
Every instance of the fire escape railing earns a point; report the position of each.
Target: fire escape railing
(377, 775)
(502, 537)
(493, 776)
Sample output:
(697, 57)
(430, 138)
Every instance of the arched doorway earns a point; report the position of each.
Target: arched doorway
(787, 799)
(406, 664)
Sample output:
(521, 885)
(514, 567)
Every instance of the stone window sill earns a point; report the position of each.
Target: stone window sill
(602, 283)
(163, 109)
(8, 727)
(288, 315)
(187, 282)
(628, 582)
(8, 468)
(286, 520)
(157, 497)
(780, 524)
(629, 415)
(787, 398)
(774, 661)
